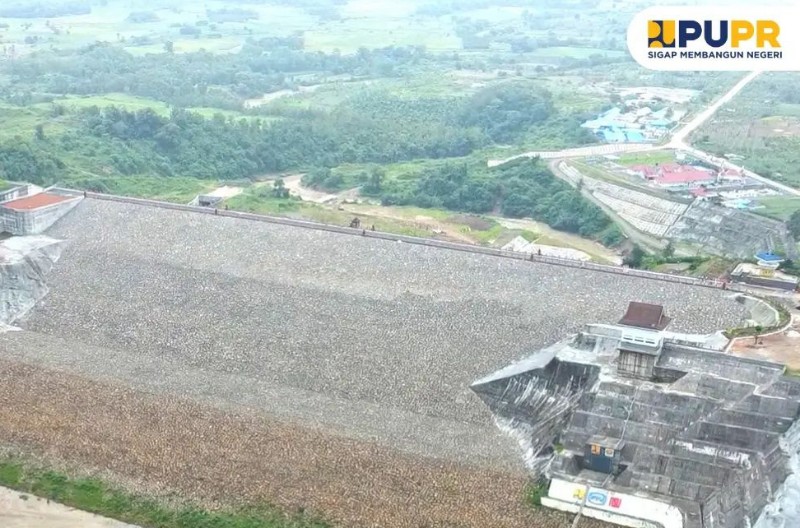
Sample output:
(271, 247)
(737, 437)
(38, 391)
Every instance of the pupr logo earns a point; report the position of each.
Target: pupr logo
(672, 33)
(660, 33)
(716, 38)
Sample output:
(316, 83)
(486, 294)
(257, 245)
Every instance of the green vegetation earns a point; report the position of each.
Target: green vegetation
(762, 124)
(96, 496)
(781, 208)
(638, 258)
(263, 200)
(534, 493)
(757, 330)
(792, 267)
(175, 189)
(793, 224)
(406, 102)
(646, 158)
(41, 9)
(506, 111)
(194, 79)
(524, 188)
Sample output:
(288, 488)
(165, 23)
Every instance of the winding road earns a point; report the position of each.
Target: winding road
(678, 140)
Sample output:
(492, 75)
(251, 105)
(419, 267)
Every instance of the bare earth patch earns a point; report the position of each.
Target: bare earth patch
(474, 222)
(777, 126)
(783, 347)
(19, 510)
(165, 444)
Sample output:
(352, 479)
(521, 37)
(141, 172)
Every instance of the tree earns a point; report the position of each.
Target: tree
(635, 258)
(375, 181)
(757, 332)
(506, 111)
(793, 224)
(279, 189)
(669, 251)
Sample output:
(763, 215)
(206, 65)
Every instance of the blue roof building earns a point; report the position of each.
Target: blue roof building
(769, 259)
(660, 123)
(634, 136)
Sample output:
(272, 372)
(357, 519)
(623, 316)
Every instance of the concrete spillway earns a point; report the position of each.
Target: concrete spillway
(24, 264)
(643, 427)
(784, 511)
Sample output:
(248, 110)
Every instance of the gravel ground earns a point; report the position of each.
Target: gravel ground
(395, 324)
(363, 338)
(160, 445)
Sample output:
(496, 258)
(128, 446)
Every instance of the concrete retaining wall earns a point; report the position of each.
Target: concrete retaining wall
(414, 240)
(35, 221)
(15, 192)
(761, 313)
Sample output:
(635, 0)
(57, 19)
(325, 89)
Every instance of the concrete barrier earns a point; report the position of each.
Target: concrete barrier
(555, 261)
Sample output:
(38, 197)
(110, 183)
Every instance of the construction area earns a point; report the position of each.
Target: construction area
(640, 426)
(643, 115)
(694, 221)
(334, 369)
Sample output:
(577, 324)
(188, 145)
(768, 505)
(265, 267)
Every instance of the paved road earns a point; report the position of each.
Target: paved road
(678, 140)
(580, 152)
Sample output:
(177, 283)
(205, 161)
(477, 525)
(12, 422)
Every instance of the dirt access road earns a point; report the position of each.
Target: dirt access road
(452, 231)
(782, 347)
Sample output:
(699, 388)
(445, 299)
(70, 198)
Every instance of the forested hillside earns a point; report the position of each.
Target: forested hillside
(176, 96)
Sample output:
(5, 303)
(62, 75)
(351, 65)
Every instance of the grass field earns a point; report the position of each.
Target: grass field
(257, 201)
(778, 207)
(571, 94)
(761, 125)
(96, 496)
(124, 101)
(348, 35)
(18, 122)
(576, 52)
(646, 158)
(173, 189)
(133, 103)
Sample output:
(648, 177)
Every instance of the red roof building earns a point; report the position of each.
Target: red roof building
(731, 173)
(36, 201)
(674, 174)
(644, 315)
(685, 177)
(647, 171)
